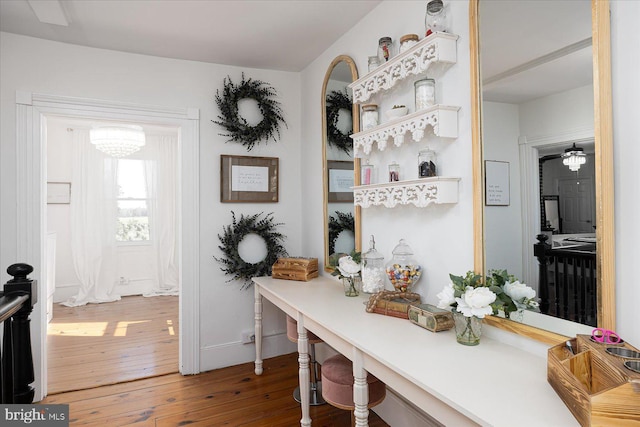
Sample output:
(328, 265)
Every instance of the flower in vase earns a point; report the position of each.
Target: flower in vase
(512, 294)
(476, 302)
(348, 267)
(446, 297)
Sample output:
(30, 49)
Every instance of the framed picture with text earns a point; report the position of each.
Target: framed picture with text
(246, 179)
(340, 173)
(496, 183)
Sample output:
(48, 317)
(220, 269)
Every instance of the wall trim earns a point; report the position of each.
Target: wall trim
(32, 110)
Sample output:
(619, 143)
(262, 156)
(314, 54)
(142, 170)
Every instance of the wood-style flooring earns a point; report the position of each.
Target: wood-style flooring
(99, 344)
(100, 350)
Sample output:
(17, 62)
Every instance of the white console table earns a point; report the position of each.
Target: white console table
(492, 384)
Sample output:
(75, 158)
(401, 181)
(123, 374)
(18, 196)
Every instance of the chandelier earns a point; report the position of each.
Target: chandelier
(117, 141)
(574, 157)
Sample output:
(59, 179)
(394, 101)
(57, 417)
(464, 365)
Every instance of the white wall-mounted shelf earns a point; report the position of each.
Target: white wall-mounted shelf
(418, 192)
(442, 118)
(437, 47)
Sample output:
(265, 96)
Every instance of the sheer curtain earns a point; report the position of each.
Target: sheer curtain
(161, 177)
(93, 224)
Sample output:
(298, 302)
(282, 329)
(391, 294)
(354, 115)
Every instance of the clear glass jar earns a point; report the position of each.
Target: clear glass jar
(427, 163)
(367, 173)
(394, 172)
(425, 93)
(369, 116)
(437, 18)
(385, 49)
(374, 62)
(373, 270)
(403, 271)
(407, 41)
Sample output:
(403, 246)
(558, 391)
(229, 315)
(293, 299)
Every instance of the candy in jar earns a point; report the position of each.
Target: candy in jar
(373, 271)
(402, 271)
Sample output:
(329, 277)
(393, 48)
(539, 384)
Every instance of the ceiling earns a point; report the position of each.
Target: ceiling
(284, 35)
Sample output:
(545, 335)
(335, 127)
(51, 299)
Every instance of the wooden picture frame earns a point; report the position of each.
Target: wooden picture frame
(247, 179)
(340, 181)
(496, 183)
(58, 193)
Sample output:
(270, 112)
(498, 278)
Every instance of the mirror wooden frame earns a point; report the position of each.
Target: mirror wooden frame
(356, 162)
(603, 133)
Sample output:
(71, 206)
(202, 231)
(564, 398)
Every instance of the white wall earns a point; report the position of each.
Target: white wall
(34, 65)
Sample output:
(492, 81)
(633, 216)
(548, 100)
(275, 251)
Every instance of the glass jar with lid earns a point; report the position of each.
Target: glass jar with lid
(385, 47)
(427, 163)
(403, 271)
(369, 116)
(367, 173)
(437, 18)
(373, 270)
(373, 63)
(407, 41)
(394, 172)
(425, 93)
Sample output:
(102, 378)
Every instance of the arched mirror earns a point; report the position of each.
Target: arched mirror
(341, 170)
(541, 93)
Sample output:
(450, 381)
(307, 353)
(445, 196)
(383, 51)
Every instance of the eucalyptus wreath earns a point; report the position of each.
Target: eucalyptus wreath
(341, 222)
(238, 129)
(232, 262)
(335, 102)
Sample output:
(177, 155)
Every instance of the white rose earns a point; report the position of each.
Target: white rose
(476, 302)
(518, 291)
(446, 297)
(348, 267)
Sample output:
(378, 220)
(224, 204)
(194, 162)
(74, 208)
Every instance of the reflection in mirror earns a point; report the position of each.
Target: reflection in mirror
(534, 85)
(340, 169)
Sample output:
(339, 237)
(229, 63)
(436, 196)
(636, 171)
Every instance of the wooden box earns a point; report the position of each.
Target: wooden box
(595, 385)
(301, 269)
(431, 317)
(392, 303)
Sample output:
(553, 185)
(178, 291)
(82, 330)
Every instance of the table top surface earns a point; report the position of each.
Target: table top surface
(492, 383)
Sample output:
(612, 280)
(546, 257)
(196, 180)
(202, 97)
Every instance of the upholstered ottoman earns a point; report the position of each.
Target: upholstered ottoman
(337, 384)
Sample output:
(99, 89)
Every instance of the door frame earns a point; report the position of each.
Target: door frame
(32, 110)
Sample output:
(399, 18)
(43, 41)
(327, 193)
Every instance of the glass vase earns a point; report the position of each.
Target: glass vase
(468, 329)
(351, 285)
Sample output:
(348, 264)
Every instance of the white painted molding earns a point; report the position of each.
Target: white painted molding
(436, 48)
(419, 192)
(443, 119)
(23, 97)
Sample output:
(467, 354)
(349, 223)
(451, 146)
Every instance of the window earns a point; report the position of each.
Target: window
(133, 202)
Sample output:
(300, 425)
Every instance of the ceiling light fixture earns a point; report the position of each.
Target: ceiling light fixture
(574, 157)
(117, 141)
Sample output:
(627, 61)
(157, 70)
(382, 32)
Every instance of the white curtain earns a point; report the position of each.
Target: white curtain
(93, 222)
(161, 177)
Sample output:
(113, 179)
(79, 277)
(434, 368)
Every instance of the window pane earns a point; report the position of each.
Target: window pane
(131, 179)
(133, 221)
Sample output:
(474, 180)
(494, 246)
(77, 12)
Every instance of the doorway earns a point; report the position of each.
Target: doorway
(32, 111)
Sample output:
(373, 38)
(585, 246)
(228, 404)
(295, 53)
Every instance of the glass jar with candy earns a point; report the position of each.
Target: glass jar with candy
(403, 271)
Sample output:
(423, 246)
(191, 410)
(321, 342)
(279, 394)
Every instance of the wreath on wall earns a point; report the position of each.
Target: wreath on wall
(343, 221)
(233, 264)
(238, 129)
(335, 102)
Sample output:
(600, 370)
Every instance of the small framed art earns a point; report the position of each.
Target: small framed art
(340, 181)
(246, 179)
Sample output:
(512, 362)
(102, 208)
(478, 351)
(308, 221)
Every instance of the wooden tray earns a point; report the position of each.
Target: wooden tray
(595, 385)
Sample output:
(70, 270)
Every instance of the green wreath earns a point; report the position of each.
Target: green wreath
(337, 101)
(342, 222)
(238, 129)
(232, 262)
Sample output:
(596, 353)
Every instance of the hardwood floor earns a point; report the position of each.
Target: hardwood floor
(100, 344)
(232, 396)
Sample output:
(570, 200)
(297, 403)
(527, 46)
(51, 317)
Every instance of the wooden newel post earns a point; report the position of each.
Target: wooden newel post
(17, 333)
(539, 251)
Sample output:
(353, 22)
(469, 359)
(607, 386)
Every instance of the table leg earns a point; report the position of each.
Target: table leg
(258, 328)
(304, 372)
(360, 390)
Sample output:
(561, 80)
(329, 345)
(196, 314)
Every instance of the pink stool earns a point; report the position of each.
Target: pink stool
(315, 392)
(337, 380)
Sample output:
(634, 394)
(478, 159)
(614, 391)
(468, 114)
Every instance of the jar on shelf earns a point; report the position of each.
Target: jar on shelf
(425, 93)
(407, 41)
(373, 269)
(427, 163)
(385, 47)
(403, 271)
(369, 117)
(436, 18)
(394, 172)
(374, 62)
(367, 173)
